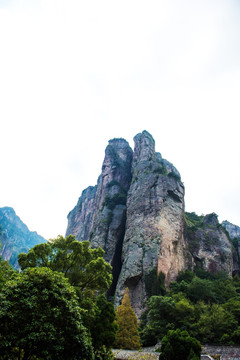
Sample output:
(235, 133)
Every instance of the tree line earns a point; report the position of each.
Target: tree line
(56, 308)
(205, 305)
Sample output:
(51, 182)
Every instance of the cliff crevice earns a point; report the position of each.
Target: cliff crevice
(136, 214)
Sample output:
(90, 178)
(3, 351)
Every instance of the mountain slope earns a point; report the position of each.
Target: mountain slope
(15, 236)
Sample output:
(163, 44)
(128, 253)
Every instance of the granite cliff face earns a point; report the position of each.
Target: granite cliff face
(136, 214)
(15, 236)
(155, 220)
(233, 230)
(209, 243)
(100, 214)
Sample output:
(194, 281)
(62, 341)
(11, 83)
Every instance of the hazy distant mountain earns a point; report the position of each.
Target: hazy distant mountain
(15, 236)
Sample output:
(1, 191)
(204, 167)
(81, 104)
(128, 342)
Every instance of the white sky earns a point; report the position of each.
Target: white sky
(74, 74)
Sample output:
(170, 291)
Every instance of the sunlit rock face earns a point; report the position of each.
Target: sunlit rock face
(136, 214)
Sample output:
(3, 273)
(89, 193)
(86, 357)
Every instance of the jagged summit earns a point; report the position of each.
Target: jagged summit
(136, 214)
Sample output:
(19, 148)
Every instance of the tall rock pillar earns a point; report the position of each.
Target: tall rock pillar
(100, 213)
(155, 219)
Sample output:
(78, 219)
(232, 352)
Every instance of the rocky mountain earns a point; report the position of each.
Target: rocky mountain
(233, 230)
(15, 236)
(136, 214)
(210, 244)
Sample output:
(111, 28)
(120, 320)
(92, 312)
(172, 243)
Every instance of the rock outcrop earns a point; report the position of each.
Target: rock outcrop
(155, 220)
(233, 230)
(209, 243)
(100, 214)
(15, 236)
(136, 214)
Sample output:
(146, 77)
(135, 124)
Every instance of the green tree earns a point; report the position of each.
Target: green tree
(215, 323)
(161, 318)
(184, 312)
(201, 289)
(179, 345)
(104, 327)
(6, 272)
(40, 316)
(127, 336)
(224, 290)
(84, 267)
(88, 272)
(186, 276)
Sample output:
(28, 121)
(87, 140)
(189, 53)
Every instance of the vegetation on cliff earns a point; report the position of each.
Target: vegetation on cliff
(206, 305)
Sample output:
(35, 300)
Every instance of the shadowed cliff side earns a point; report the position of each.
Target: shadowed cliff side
(100, 214)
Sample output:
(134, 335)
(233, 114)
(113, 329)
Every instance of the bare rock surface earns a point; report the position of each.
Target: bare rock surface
(155, 220)
(233, 230)
(136, 214)
(210, 245)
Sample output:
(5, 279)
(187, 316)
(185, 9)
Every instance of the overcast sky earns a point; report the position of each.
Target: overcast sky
(74, 74)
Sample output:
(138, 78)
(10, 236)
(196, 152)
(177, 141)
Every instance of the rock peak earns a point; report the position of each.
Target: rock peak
(136, 214)
(144, 149)
(118, 141)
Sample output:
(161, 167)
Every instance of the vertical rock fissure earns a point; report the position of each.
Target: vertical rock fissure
(117, 258)
(136, 214)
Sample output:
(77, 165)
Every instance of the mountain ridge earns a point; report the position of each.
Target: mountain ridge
(15, 237)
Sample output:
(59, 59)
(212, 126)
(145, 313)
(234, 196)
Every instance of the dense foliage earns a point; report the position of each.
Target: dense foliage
(6, 272)
(179, 345)
(206, 305)
(84, 267)
(40, 316)
(91, 276)
(81, 269)
(127, 336)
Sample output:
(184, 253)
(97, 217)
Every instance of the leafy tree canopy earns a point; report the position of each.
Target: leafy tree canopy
(208, 307)
(179, 345)
(6, 271)
(90, 274)
(84, 267)
(40, 316)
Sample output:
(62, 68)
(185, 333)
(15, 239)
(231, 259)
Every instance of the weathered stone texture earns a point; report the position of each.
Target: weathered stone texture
(210, 246)
(136, 214)
(100, 214)
(233, 230)
(155, 220)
